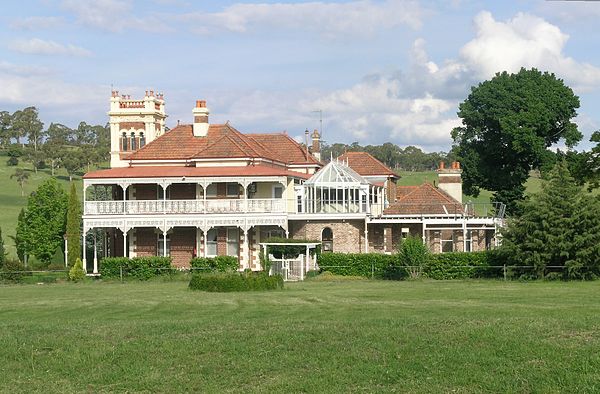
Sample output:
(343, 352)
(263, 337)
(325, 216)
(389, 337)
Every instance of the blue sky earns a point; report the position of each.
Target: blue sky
(380, 71)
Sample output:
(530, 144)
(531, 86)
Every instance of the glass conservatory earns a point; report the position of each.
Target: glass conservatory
(337, 188)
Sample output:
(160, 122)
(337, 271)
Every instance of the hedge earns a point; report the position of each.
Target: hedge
(142, 268)
(369, 265)
(219, 263)
(437, 266)
(453, 265)
(235, 281)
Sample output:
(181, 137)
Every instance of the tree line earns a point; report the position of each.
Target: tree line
(24, 138)
(410, 158)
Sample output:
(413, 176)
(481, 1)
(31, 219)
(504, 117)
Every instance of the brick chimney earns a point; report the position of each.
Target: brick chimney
(316, 144)
(200, 113)
(450, 180)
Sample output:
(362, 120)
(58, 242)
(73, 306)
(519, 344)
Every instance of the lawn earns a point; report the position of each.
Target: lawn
(429, 336)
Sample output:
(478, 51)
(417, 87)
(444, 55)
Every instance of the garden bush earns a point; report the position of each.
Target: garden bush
(215, 264)
(453, 265)
(369, 265)
(142, 268)
(12, 271)
(76, 273)
(223, 282)
(412, 256)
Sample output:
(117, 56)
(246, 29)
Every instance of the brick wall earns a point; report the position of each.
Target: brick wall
(145, 242)
(348, 236)
(183, 241)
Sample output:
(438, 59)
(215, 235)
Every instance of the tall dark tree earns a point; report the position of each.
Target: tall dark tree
(509, 122)
(2, 250)
(592, 162)
(73, 227)
(559, 226)
(44, 220)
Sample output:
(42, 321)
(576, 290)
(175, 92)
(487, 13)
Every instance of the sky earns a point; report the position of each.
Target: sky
(378, 70)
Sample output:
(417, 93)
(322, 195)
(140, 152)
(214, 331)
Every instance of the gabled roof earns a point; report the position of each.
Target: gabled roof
(284, 146)
(181, 171)
(223, 141)
(366, 165)
(422, 199)
(335, 174)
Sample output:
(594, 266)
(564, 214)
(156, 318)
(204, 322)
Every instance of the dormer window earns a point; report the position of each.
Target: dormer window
(142, 140)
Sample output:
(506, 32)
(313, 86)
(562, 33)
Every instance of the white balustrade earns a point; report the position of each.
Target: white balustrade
(137, 207)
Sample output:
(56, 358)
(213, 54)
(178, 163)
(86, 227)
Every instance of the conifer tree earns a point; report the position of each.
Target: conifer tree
(73, 227)
(2, 251)
(559, 226)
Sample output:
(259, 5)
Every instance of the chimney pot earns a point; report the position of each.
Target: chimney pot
(442, 165)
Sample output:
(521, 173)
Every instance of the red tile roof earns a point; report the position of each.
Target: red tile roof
(172, 171)
(223, 141)
(366, 165)
(422, 199)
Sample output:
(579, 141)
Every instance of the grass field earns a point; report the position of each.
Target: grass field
(360, 336)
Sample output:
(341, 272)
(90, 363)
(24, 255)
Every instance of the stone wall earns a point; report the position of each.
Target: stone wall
(348, 235)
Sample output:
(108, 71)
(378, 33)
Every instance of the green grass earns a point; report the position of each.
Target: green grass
(359, 336)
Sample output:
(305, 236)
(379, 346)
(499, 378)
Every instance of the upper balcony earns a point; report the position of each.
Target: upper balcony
(213, 206)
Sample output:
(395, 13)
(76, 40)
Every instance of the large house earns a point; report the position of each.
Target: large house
(205, 189)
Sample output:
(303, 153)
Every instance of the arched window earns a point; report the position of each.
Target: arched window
(133, 141)
(124, 142)
(142, 140)
(327, 240)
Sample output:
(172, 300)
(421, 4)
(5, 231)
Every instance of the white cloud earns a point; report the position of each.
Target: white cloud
(38, 22)
(524, 41)
(417, 105)
(362, 17)
(37, 46)
(112, 15)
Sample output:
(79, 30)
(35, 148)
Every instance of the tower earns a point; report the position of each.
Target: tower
(133, 124)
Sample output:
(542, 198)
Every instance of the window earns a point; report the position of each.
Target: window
(277, 191)
(447, 241)
(211, 191)
(160, 245)
(133, 141)
(233, 242)
(405, 232)
(327, 239)
(124, 142)
(468, 241)
(233, 190)
(211, 242)
(142, 140)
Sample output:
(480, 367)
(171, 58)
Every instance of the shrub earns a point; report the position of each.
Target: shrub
(218, 264)
(76, 273)
(413, 255)
(327, 276)
(142, 268)
(235, 281)
(453, 265)
(12, 161)
(12, 271)
(369, 265)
